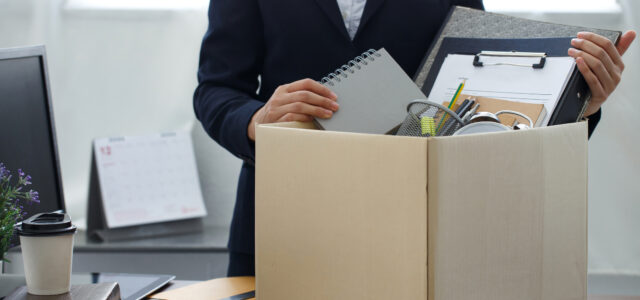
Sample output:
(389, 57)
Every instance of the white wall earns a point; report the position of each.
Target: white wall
(614, 148)
(614, 210)
(116, 73)
(126, 73)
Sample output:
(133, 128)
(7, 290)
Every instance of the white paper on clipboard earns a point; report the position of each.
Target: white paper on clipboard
(148, 179)
(514, 83)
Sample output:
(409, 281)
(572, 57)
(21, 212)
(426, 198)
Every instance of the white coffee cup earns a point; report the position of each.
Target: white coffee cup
(46, 240)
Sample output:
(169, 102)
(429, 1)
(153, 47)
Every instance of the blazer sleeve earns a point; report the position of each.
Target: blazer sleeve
(230, 63)
(593, 120)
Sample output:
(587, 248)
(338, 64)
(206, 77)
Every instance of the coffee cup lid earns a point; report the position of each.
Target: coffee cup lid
(46, 224)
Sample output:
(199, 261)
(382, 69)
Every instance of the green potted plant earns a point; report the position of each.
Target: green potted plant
(11, 211)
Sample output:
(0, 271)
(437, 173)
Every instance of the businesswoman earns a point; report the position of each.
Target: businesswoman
(256, 54)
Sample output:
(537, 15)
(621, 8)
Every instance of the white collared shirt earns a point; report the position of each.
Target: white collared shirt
(351, 11)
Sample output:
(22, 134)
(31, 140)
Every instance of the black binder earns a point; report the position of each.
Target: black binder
(571, 104)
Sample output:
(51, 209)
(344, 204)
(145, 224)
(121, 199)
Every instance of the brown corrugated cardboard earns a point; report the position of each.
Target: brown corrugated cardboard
(344, 216)
(330, 223)
(508, 220)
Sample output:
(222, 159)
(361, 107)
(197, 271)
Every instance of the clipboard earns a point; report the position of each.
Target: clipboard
(573, 100)
(464, 22)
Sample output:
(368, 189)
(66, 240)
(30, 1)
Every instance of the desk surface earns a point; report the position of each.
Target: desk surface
(211, 239)
(601, 287)
(193, 256)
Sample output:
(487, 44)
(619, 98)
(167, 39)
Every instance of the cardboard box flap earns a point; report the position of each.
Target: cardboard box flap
(501, 207)
(298, 125)
(332, 207)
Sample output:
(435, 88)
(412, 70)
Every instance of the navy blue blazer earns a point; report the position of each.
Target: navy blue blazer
(281, 41)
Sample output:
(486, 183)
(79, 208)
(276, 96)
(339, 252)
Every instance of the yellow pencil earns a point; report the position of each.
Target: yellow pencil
(452, 103)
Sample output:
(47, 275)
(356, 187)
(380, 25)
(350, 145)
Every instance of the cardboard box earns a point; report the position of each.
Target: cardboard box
(359, 216)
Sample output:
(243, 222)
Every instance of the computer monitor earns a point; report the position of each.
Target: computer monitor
(27, 132)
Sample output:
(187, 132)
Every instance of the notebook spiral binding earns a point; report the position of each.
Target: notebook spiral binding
(350, 67)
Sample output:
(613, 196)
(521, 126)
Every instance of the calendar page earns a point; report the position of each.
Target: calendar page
(148, 179)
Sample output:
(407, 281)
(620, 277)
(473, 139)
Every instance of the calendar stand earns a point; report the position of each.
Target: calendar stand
(97, 227)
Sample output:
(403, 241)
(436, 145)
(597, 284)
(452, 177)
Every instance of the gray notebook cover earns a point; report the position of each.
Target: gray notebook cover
(465, 22)
(373, 92)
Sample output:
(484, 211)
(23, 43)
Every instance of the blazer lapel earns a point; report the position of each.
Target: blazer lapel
(332, 10)
(370, 9)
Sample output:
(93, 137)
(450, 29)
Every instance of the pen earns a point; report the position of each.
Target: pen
(467, 108)
(470, 113)
(462, 106)
(451, 123)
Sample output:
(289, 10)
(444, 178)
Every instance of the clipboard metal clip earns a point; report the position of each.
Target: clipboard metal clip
(540, 65)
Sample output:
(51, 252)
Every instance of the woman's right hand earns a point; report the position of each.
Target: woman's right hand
(297, 101)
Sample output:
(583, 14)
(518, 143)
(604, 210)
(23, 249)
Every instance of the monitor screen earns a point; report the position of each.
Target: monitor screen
(27, 135)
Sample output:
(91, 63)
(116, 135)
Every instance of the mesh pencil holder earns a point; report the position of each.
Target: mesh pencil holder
(427, 118)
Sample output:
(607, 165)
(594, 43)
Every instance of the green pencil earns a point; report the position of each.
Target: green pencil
(452, 102)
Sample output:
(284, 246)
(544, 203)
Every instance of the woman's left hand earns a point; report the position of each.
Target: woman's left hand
(600, 62)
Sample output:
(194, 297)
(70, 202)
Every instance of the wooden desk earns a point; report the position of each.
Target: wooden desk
(601, 287)
(627, 288)
(211, 289)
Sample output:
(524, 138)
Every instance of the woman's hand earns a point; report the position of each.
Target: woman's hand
(600, 62)
(298, 101)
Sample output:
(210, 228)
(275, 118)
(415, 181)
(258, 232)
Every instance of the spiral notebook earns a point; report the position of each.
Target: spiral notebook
(373, 92)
